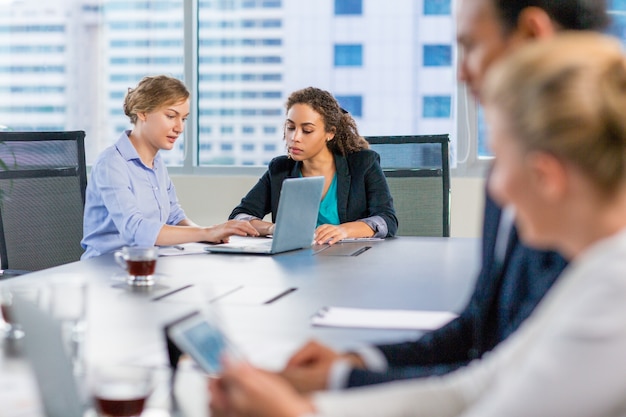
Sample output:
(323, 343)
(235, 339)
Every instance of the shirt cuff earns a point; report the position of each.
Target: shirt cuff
(373, 358)
(378, 225)
(339, 374)
(340, 370)
(246, 217)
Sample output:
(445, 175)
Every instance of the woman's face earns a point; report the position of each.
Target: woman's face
(517, 180)
(163, 126)
(305, 133)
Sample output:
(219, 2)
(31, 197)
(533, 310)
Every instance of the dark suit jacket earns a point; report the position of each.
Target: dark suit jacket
(503, 297)
(362, 189)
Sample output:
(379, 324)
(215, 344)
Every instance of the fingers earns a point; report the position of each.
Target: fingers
(308, 354)
(242, 228)
(329, 234)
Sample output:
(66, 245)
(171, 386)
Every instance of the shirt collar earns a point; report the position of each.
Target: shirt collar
(127, 150)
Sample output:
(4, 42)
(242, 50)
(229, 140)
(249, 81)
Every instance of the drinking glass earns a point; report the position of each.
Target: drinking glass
(12, 329)
(139, 263)
(120, 391)
(68, 304)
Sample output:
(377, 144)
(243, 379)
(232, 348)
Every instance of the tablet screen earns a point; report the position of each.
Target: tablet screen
(203, 340)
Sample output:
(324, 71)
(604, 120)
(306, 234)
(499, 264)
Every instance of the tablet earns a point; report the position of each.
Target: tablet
(200, 336)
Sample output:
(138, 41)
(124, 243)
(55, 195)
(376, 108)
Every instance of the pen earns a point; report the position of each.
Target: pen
(178, 247)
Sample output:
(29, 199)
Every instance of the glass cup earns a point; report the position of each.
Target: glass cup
(12, 329)
(67, 302)
(139, 263)
(120, 391)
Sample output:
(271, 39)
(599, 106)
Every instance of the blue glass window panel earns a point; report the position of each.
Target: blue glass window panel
(269, 130)
(617, 5)
(247, 147)
(437, 107)
(353, 104)
(248, 130)
(226, 146)
(437, 55)
(483, 148)
(349, 55)
(269, 147)
(348, 7)
(437, 7)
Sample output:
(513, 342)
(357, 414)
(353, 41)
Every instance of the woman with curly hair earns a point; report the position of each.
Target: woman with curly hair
(322, 139)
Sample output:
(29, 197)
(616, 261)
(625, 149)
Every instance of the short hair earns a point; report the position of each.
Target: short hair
(347, 139)
(566, 97)
(569, 14)
(152, 93)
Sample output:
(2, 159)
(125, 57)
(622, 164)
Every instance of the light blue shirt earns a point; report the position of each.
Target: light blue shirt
(127, 203)
(328, 212)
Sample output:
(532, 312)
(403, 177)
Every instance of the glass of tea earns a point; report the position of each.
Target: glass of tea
(120, 391)
(139, 263)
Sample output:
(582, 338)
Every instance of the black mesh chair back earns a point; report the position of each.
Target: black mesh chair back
(42, 197)
(417, 169)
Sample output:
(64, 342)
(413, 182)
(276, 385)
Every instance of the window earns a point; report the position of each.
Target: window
(348, 55)
(353, 104)
(348, 7)
(617, 11)
(437, 106)
(249, 56)
(437, 7)
(437, 55)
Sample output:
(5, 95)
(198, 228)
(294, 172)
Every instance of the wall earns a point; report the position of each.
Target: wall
(209, 200)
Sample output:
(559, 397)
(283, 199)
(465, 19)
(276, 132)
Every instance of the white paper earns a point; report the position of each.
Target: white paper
(382, 319)
(185, 249)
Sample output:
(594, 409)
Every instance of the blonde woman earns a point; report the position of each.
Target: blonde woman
(130, 199)
(556, 110)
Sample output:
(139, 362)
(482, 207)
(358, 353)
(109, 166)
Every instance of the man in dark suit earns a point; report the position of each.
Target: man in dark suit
(513, 277)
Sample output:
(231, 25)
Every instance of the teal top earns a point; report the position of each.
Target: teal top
(328, 213)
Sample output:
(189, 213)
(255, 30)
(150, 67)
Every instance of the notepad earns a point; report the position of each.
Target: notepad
(381, 319)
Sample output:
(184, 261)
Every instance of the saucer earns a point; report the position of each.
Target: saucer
(121, 282)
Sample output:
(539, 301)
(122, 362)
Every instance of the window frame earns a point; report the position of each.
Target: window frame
(463, 107)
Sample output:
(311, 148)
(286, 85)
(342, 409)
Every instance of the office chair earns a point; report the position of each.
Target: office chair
(417, 169)
(42, 197)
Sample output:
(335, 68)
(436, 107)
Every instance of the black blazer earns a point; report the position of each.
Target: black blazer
(503, 297)
(362, 189)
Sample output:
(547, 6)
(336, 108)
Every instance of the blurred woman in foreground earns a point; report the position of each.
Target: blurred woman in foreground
(558, 132)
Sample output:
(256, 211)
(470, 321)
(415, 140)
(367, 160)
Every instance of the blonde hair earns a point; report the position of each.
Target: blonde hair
(567, 97)
(152, 93)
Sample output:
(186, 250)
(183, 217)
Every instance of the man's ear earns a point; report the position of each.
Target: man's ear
(549, 175)
(535, 23)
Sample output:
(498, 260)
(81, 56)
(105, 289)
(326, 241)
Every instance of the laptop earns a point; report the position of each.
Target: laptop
(44, 347)
(296, 219)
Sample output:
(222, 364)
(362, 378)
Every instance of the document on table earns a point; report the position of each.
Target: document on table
(381, 319)
(184, 249)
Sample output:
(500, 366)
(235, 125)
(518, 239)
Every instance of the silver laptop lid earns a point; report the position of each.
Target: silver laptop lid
(298, 208)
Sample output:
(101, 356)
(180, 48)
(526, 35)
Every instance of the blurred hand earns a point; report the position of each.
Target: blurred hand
(308, 369)
(221, 232)
(244, 391)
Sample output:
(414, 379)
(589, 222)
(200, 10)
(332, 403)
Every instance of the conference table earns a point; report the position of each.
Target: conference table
(265, 303)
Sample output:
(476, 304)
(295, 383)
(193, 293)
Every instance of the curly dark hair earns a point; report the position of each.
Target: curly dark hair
(347, 139)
